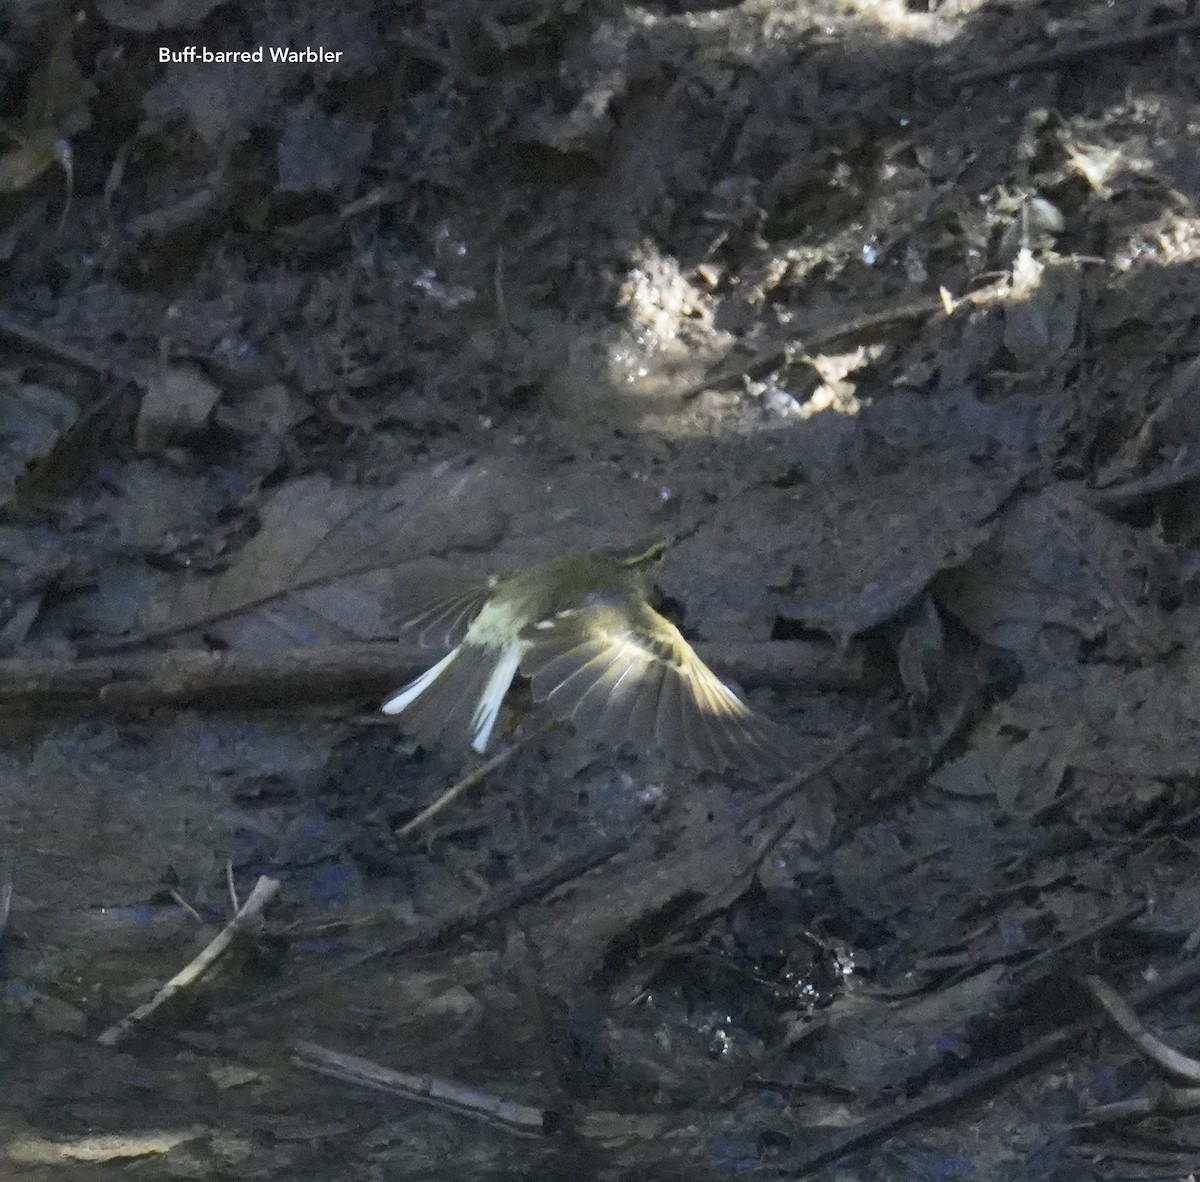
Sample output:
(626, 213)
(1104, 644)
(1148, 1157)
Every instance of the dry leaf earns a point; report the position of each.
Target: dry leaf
(1040, 323)
(864, 554)
(33, 419)
(315, 532)
(21, 166)
(177, 401)
(38, 1151)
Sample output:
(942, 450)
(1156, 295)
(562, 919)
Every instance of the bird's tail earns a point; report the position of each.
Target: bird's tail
(459, 696)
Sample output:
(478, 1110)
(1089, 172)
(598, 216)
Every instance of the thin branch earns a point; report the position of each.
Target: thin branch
(1160, 481)
(730, 882)
(523, 1119)
(95, 1148)
(435, 932)
(777, 355)
(1065, 54)
(335, 672)
(1056, 1042)
(1157, 1101)
(217, 616)
(68, 355)
(1158, 1052)
(6, 892)
(452, 793)
(251, 911)
(1038, 966)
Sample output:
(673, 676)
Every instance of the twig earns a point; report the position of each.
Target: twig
(729, 883)
(1070, 53)
(184, 905)
(264, 891)
(1154, 1049)
(186, 676)
(452, 793)
(1108, 1155)
(777, 355)
(737, 884)
(523, 1119)
(1036, 966)
(6, 891)
(875, 1129)
(1157, 1101)
(794, 783)
(498, 285)
(204, 620)
(36, 342)
(787, 351)
(432, 933)
(1133, 491)
(208, 619)
(335, 672)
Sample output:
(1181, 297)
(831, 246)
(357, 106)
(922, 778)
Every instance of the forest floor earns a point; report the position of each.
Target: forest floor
(879, 311)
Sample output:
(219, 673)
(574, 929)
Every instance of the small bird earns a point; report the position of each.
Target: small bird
(595, 652)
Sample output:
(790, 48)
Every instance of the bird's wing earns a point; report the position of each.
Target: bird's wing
(623, 673)
(443, 622)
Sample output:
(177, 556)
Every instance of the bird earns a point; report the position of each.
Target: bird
(581, 629)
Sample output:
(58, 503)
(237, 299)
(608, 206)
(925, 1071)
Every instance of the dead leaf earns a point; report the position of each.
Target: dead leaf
(177, 401)
(153, 508)
(268, 410)
(39, 1151)
(221, 101)
(59, 94)
(1058, 573)
(320, 153)
(314, 532)
(60, 470)
(880, 1046)
(1039, 327)
(21, 166)
(1019, 761)
(864, 553)
(234, 1075)
(33, 419)
(1118, 733)
(1099, 165)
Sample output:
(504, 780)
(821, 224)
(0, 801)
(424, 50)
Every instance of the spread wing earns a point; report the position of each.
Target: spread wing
(443, 622)
(626, 674)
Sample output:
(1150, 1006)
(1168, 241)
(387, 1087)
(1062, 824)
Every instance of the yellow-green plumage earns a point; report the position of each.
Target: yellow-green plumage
(595, 652)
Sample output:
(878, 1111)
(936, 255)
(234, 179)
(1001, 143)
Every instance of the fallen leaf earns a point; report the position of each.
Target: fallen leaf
(233, 1075)
(864, 554)
(1039, 327)
(39, 1151)
(1058, 574)
(177, 401)
(33, 419)
(22, 165)
(321, 153)
(314, 533)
